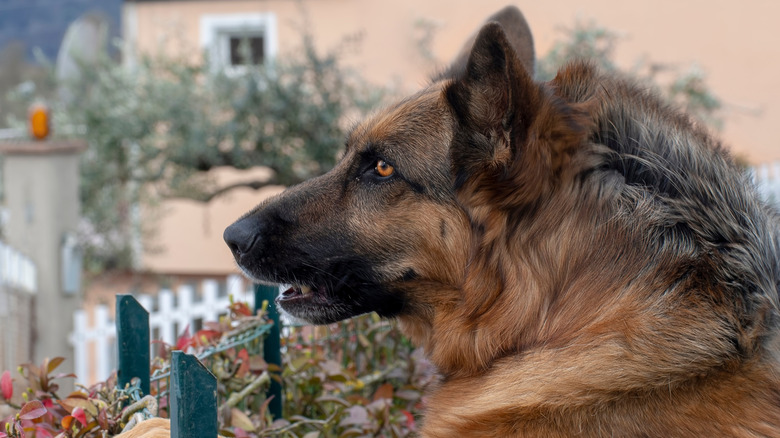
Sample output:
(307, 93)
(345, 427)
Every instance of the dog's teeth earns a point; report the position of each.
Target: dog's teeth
(305, 289)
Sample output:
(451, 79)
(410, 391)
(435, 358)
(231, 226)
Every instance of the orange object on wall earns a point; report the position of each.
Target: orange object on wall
(39, 121)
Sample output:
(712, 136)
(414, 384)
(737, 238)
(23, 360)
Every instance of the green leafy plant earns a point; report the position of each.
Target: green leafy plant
(356, 378)
(45, 414)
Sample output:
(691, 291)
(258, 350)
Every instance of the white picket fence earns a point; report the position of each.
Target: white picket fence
(170, 313)
(18, 286)
(767, 180)
(17, 270)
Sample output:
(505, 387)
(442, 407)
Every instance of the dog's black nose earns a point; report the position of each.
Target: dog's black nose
(241, 236)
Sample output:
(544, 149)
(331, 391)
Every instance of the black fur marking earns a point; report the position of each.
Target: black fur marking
(634, 161)
(410, 275)
(417, 188)
(458, 96)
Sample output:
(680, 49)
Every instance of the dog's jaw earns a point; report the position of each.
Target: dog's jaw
(299, 300)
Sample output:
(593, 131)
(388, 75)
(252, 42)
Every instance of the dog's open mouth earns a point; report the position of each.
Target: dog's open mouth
(315, 304)
(302, 293)
(319, 301)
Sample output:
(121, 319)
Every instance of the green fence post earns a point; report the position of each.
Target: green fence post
(272, 344)
(192, 398)
(132, 335)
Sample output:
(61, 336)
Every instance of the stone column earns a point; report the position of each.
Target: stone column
(41, 191)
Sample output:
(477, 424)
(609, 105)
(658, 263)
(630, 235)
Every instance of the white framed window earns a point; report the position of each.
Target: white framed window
(233, 41)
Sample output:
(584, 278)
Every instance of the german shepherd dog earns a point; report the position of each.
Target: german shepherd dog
(576, 257)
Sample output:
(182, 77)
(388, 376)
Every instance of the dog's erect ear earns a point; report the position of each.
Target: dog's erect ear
(518, 34)
(494, 100)
(495, 96)
(509, 128)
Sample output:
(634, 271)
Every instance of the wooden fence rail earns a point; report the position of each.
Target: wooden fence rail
(192, 395)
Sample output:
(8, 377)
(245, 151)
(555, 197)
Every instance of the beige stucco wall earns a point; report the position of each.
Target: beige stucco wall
(41, 183)
(188, 234)
(734, 42)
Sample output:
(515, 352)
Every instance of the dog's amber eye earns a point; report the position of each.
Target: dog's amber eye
(383, 169)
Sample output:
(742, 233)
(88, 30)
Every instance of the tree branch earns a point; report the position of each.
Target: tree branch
(236, 397)
(207, 197)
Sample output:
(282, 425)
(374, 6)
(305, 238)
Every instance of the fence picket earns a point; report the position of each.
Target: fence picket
(166, 316)
(193, 398)
(271, 344)
(132, 331)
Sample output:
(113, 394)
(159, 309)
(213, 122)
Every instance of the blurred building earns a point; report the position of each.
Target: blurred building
(404, 41)
(400, 44)
(735, 45)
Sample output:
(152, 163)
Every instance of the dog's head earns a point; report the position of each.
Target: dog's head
(390, 220)
(347, 239)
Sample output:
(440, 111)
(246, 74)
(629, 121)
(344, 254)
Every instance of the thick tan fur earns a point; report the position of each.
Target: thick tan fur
(576, 257)
(152, 428)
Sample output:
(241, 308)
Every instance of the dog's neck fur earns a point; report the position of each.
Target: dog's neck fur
(559, 281)
(551, 328)
(580, 303)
